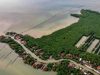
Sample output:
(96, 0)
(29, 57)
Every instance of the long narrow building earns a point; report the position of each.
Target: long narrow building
(93, 45)
(82, 41)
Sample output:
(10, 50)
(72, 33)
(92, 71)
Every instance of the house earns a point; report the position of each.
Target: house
(69, 56)
(62, 54)
(17, 37)
(38, 65)
(71, 65)
(38, 52)
(98, 68)
(11, 33)
(23, 42)
(1, 37)
(44, 67)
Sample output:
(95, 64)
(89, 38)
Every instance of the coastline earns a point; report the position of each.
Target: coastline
(18, 68)
(39, 32)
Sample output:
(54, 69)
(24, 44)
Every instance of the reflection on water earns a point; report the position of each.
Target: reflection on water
(43, 17)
